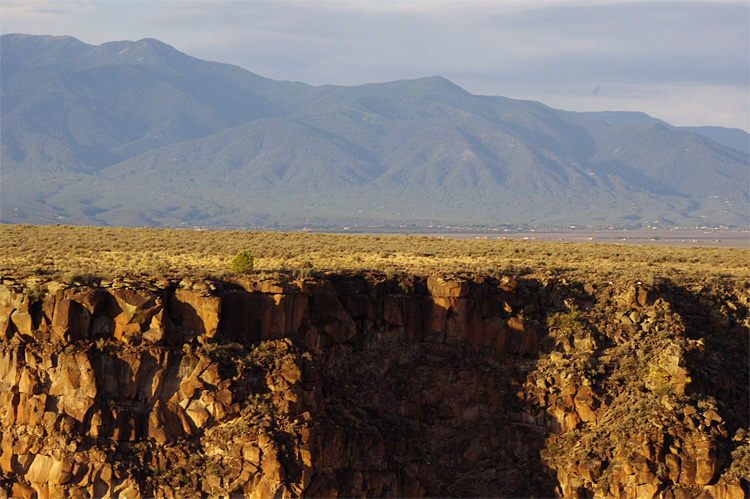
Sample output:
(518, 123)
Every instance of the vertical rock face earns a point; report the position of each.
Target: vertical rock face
(363, 386)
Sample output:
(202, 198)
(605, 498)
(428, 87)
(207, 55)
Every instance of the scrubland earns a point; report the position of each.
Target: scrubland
(82, 253)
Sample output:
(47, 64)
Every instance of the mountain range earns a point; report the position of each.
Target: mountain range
(140, 134)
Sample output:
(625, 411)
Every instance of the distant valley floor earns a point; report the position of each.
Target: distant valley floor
(674, 237)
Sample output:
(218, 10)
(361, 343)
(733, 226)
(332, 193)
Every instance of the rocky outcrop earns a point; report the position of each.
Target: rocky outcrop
(366, 386)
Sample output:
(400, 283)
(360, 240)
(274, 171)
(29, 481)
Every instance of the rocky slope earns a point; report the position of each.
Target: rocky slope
(373, 386)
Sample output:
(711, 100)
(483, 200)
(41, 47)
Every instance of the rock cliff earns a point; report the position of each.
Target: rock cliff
(367, 386)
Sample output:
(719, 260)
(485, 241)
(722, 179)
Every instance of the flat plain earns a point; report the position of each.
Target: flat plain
(714, 238)
(86, 253)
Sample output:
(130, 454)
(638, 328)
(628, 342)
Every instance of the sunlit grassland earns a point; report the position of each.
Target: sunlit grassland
(60, 251)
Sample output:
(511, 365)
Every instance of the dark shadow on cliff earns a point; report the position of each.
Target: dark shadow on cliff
(649, 353)
(417, 388)
(721, 369)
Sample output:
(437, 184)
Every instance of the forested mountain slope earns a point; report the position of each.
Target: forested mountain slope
(137, 133)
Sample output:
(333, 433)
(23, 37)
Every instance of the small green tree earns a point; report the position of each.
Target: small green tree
(243, 263)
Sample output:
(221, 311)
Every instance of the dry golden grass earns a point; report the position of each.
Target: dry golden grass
(108, 252)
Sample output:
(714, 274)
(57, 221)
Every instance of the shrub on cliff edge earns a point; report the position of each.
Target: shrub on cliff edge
(243, 263)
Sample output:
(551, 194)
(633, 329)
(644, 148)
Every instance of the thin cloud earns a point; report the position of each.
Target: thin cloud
(13, 11)
(46, 11)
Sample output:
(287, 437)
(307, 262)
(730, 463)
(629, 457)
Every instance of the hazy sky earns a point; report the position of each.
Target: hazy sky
(686, 62)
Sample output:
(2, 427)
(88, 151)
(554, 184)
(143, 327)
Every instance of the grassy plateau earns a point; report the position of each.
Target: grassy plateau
(85, 253)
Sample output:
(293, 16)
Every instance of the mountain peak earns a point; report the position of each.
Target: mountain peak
(433, 84)
(37, 38)
(146, 50)
(21, 51)
(151, 42)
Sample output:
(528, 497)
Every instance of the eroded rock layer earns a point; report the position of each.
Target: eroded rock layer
(366, 386)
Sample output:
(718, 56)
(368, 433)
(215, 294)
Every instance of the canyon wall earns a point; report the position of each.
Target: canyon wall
(367, 386)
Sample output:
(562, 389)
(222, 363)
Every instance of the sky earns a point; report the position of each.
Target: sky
(686, 62)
